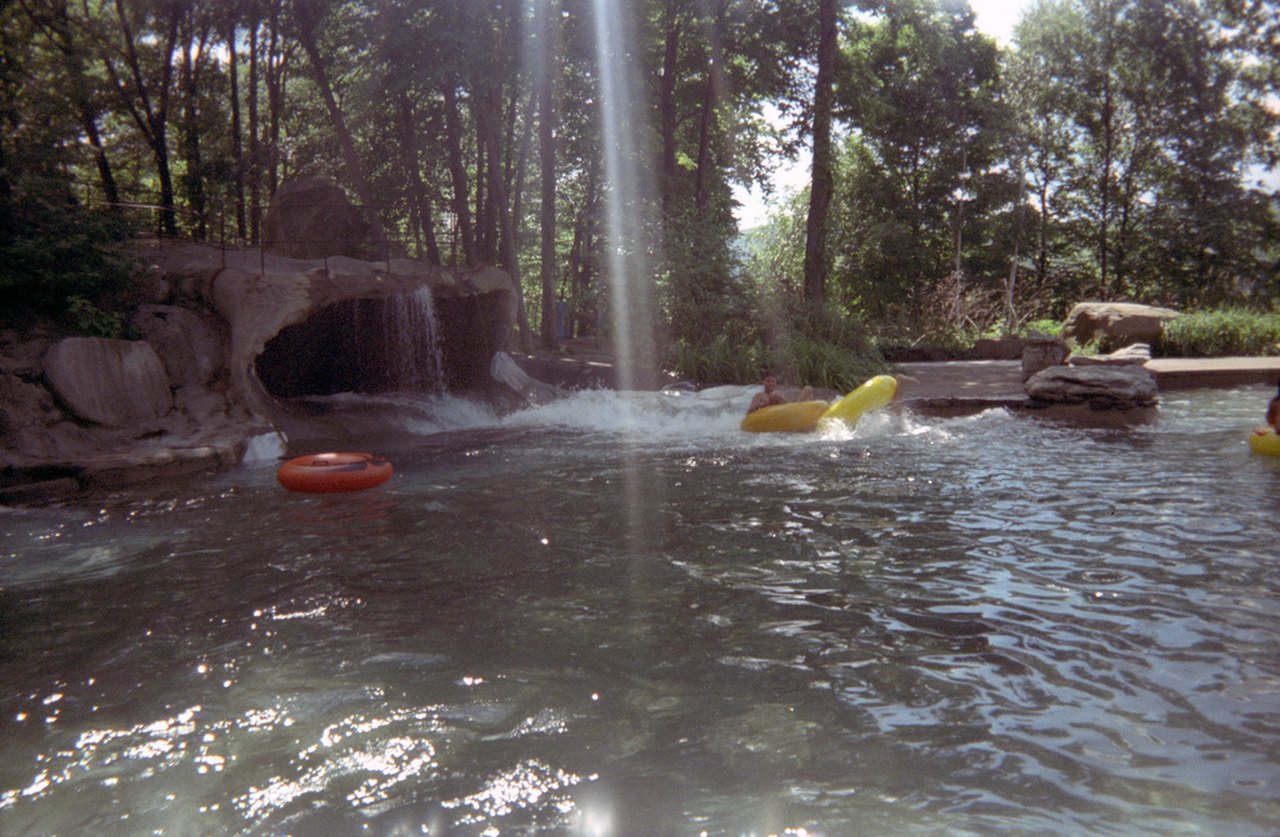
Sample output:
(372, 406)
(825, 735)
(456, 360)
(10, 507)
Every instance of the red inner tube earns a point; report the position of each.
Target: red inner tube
(328, 473)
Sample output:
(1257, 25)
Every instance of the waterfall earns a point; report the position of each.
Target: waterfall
(398, 344)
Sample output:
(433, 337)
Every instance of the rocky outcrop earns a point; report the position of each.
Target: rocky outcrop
(108, 382)
(190, 346)
(311, 218)
(84, 412)
(1115, 324)
(1099, 387)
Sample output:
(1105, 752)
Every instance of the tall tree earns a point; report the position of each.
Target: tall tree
(55, 21)
(308, 17)
(821, 182)
(545, 79)
(232, 23)
(141, 73)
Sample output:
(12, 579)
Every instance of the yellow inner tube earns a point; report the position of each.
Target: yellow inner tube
(1264, 440)
(804, 416)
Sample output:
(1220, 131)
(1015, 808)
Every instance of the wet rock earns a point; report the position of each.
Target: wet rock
(109, 382)
(1100, 387)
(1115, 324)
(532, 391)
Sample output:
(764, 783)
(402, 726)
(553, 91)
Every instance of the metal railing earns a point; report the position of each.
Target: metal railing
(218, 225)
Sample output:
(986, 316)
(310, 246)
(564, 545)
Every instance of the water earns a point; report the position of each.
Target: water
(617, 615)
(397, 343)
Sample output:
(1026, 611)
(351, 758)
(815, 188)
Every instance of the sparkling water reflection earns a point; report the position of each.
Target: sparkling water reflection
(618, 615)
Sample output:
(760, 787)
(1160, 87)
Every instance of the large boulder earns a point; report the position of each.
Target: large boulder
(311, 218)
(1100, 387)
(191, 348)
(109, 382)
(1115, 324)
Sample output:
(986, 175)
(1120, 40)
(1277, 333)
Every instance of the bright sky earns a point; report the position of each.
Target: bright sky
(995, 17)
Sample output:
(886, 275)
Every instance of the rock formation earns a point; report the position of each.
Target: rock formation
(1099, 387)
(1115, 324)
(311, 218)
(82, 412)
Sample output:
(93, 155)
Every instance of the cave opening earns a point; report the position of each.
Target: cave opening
(398, 342)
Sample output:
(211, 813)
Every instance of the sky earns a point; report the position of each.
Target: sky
(995, 17)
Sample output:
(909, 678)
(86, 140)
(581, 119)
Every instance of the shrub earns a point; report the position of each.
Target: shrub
(52, 249)
(1218, 333)
(824, 364)
(721, 359)
(91, 321)
(1049, 328)
(823, 347)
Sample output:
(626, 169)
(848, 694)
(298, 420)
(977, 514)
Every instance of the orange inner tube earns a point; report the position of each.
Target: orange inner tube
(328, 473)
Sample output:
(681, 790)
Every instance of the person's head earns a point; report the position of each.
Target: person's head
(769, 381)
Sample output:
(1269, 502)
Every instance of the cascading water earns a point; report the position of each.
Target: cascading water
(365, 345)
(398, 344)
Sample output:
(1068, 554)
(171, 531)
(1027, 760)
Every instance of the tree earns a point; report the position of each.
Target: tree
(821, 184)
(141, 74)
(545, 81)
(923, 175)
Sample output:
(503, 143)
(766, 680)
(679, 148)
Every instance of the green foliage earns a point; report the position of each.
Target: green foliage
(1220, 333)
(91, 321)
(1049, 328)
(828, 365)
(52, 249)
(721, 359)
(1103, 154)
(818, 345)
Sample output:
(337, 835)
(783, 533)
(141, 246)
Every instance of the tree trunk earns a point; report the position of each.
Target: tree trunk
(458, 173)
(277, 70)
(255, 148)
(712, 97)
(517, 180)
(412, 161)
(710, 101)
(548, 34)
(815, 250)
(237, 143)
(193, 56)
(350, 157)
(667, 103)
(150, 108)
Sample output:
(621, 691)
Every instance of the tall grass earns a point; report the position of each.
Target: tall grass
(1219, 333)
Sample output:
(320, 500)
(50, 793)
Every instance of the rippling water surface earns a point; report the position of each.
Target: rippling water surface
(619, 615)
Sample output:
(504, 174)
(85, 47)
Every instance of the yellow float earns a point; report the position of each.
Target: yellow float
(805, 416)
(1264, 440)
